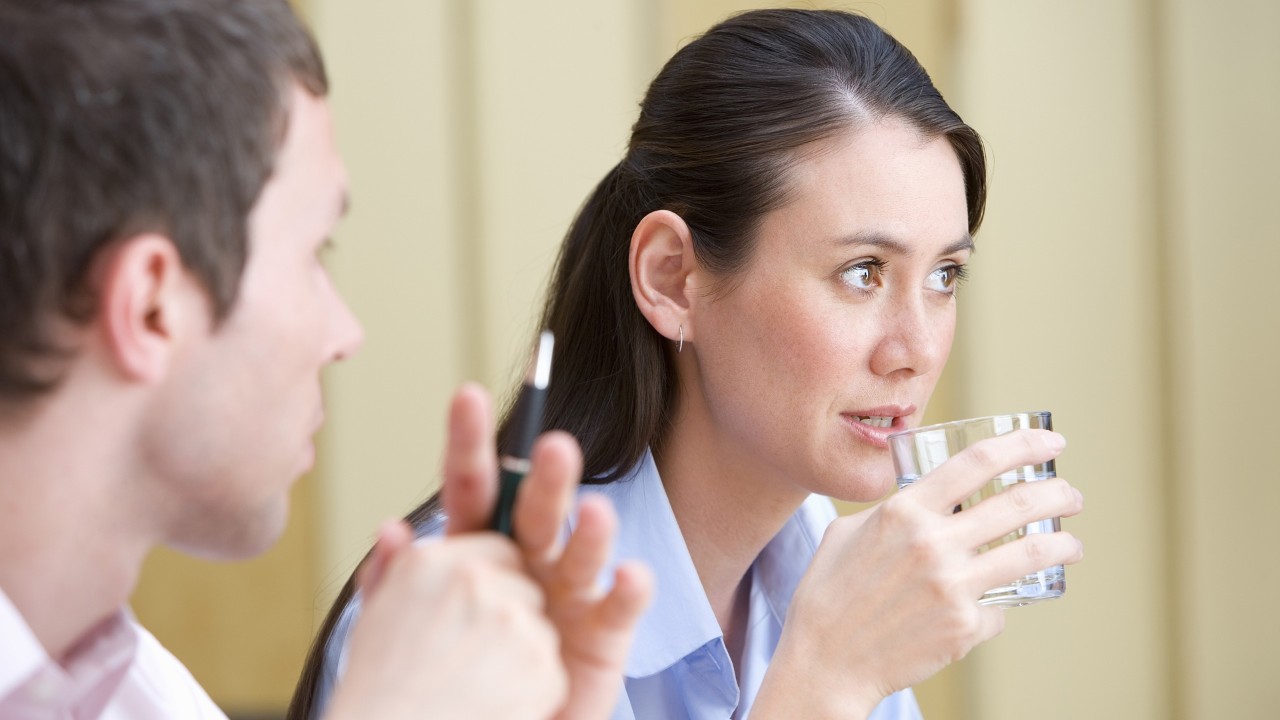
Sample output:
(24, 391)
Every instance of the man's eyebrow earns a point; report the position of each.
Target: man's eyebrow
(884, 242)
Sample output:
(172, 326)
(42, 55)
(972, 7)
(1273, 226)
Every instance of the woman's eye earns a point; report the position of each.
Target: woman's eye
(945, 279)
(863, 276)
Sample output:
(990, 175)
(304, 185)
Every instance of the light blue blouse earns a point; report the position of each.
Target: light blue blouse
(679, 667)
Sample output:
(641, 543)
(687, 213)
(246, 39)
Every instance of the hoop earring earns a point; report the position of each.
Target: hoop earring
(680, 345)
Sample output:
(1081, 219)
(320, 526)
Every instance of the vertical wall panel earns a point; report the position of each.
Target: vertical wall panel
(557, 86)
(472, 131)
(393, 67)
(1221, 110)
(1063, 314)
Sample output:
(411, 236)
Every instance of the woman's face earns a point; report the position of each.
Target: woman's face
(835, 333)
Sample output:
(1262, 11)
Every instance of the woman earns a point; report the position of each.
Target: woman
(747, 305)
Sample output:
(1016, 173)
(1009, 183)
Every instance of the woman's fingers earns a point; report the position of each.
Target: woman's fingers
(1025, 556)
(1014, 507)
(968, 470)
(990, 624)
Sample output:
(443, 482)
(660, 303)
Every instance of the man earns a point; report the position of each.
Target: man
(167, 177)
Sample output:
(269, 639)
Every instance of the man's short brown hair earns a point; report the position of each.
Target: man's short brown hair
(119, 117)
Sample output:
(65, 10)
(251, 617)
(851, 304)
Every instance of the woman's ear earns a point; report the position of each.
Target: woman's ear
(661, 263)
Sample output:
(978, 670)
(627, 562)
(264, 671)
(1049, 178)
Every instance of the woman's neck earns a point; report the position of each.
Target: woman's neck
(727, 503)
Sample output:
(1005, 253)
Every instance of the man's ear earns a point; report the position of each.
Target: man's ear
(145, 300)
(662, 264)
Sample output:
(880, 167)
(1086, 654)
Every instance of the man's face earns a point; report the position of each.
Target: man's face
(235, 430)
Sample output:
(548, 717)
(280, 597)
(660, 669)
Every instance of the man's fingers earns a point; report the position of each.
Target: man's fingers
(546, 496)
(481, 564)
(393, 536)
(590, 545)
(968, 470)
(631, 593)
(470, 464)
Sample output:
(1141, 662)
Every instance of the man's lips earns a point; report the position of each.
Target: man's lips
(309, 449)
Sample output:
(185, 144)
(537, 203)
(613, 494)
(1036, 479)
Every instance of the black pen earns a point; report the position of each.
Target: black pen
(526, 423)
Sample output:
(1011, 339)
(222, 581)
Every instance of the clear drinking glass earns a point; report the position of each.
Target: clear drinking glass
(917, 452)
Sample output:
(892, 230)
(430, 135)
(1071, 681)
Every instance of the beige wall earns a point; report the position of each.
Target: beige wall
(1220, 110)
(473, 131)
(1063, 313)
(398, 83)
(1121, 281)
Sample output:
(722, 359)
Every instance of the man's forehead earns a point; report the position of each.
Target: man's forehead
(306, 194)
(308, 129)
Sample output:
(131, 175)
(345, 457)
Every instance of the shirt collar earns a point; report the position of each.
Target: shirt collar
(680, 619)
(786, 558)
(23, 654)
(96, 668)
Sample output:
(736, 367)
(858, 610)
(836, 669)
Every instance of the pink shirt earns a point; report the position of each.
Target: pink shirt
(119, 671)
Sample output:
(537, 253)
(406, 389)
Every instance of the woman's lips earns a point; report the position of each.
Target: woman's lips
(875, 431)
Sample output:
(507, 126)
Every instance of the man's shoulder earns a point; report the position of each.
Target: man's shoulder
(159, 685)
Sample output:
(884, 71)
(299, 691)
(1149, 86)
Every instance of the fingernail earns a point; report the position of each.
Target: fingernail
(1055, 441)
(1079, 497)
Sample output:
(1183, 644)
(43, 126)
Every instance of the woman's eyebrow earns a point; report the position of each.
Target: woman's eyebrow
(874, 239)
(884, 242)
(964, 243)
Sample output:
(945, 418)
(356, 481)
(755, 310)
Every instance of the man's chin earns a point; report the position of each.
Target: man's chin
(234, 539)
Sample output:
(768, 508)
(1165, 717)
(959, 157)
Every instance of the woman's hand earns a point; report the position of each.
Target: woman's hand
(892, 594)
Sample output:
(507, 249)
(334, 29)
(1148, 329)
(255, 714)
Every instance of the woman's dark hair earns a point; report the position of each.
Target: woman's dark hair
(720, 127)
